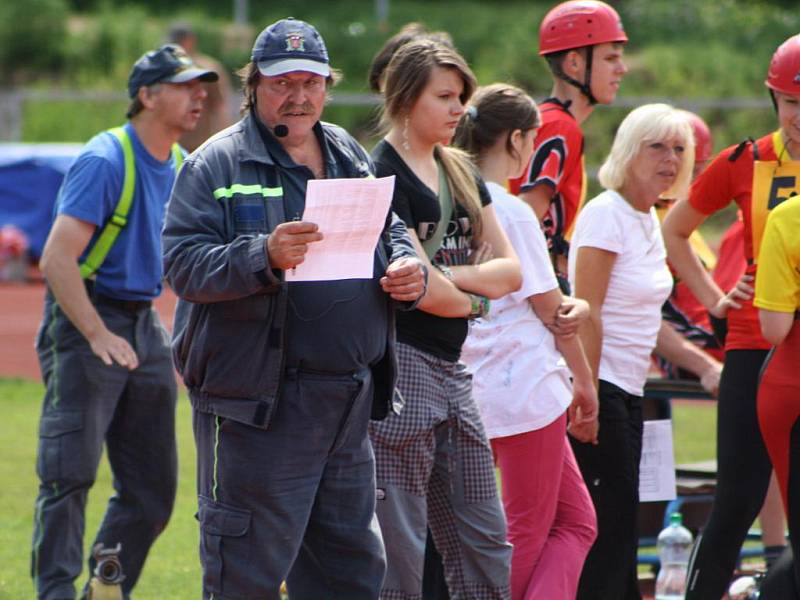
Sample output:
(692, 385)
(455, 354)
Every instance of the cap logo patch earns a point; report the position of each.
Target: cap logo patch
(184, 60)
(295, 42)
(796, 78)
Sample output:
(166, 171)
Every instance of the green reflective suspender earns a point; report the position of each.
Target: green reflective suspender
(119, 219)
(177, 155)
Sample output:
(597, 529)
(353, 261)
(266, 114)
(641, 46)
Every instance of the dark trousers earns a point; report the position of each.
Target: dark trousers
(434, 584)
(743, 472)
(781, 583)
(294, 502)
(86, 404)
(611, 472)
(435, 468)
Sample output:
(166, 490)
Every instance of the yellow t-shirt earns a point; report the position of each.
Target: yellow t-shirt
(778, 277)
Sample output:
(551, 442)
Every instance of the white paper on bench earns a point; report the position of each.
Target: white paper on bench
(657, 467)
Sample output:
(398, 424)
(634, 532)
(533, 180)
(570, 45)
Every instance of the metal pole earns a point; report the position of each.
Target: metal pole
(11, 116)
(382, 14)
(240, 10)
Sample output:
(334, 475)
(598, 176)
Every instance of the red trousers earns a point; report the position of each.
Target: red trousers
(779, 419)
(551, 519)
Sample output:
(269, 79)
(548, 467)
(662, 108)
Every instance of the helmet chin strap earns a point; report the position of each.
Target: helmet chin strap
(586, 86)
(774, 101)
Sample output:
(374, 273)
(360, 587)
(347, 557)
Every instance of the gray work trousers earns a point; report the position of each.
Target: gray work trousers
(435, 468)
(294, 502)
(86, 404)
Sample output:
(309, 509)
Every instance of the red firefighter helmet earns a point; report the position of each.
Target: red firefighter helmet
(579, 23)
(784, 69)
(703, 143)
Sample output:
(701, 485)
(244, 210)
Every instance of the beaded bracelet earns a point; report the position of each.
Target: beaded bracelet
(480, 306)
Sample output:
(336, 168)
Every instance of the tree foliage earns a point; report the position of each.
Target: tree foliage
(33, 36)
(678, 48)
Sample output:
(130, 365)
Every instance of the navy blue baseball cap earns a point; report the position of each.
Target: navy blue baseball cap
(168, 64)
(290, 45)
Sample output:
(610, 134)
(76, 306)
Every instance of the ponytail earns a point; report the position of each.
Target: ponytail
(461, 174)
(494, 111)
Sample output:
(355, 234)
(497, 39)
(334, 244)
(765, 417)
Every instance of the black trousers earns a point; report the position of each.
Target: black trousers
(611, 472)
(434, 585)
(743, 472)
(781, 582)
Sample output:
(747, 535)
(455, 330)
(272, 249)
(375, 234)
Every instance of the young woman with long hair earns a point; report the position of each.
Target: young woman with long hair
(434, 462)
(521, 382)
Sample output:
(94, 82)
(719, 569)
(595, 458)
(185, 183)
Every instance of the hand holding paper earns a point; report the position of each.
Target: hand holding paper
(288, 243)
(350, 214)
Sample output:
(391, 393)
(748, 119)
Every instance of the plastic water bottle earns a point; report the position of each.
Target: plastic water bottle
(674, 547)
(744, 588)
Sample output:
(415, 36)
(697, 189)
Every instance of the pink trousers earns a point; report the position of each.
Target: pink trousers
(551, 519)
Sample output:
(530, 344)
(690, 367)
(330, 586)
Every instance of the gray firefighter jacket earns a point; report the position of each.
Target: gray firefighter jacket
(228, 341)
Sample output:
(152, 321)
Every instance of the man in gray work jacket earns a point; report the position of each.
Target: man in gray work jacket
(283, 377)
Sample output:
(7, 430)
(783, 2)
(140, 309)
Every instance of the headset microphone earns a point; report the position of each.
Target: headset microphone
(280, 130)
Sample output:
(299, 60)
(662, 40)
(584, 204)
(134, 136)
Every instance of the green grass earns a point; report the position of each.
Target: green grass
(695, 431)
(172, 569)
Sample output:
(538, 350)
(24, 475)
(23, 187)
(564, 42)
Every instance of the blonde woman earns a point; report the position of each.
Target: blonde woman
(618, 265)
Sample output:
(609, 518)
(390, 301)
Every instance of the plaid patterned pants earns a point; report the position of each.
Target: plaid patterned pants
(435, 468)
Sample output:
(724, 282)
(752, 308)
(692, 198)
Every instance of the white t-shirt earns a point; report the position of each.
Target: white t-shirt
(520, 380)
(640, 283)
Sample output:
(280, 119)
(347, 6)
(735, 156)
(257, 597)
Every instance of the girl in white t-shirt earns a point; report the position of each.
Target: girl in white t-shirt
(618, 264)
(520, 379)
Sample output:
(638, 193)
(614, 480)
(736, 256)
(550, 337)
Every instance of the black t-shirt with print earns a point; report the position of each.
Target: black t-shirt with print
(417, 205)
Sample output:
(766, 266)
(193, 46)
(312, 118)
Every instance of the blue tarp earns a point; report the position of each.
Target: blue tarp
(30, 175)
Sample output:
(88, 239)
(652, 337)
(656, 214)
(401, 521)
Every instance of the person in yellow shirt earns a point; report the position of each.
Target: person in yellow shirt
(778, 300)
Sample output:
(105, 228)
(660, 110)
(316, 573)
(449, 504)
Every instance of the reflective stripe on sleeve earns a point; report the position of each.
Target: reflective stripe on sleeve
(238, 188)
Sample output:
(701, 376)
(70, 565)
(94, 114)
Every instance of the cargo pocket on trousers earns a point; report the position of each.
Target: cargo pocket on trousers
(224, 543)
(60, 450)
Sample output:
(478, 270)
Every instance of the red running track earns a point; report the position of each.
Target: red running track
(21, 306)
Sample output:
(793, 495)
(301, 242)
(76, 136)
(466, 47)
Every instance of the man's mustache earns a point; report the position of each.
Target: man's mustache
(306, 107)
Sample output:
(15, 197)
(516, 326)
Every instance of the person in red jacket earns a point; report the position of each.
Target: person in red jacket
(758, 175)
(687, 346)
